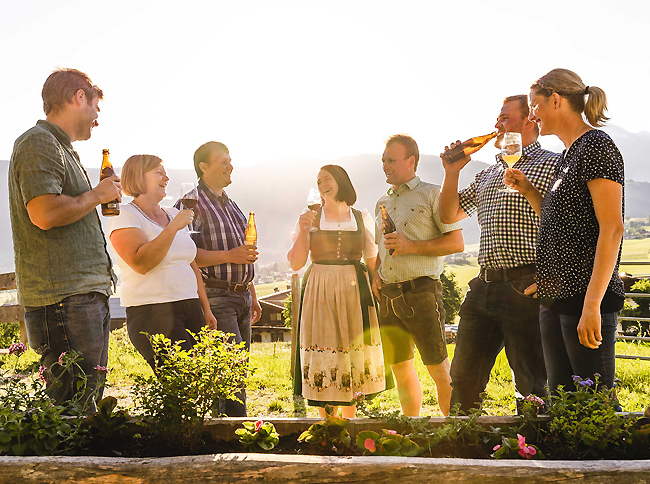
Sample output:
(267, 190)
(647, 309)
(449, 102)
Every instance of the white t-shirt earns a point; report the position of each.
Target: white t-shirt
(369, 247)
(171, 280)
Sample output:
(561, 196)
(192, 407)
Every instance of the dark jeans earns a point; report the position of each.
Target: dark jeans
(565, 356)
(171, 319)
(233, 313)
(80, 323)
(494, 315)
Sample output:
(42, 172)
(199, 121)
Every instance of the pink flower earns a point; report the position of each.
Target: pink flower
(370, 445)
(42, 373)
(17, 349)
(394, 432)
(102, 370)
(258, 425)
(61, 358)
(496, 447)
(525, 451)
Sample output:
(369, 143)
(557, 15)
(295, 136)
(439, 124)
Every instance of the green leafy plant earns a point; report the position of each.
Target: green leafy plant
(177, 400)
(328, 435)
(389, 442)
(106, 423)
(452, 296)
(511, 448)
(30, 422)
(584, 422)
(258, 435)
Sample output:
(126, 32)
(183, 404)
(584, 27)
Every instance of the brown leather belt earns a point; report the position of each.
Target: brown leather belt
(228, 286)
(409, 285)
(503, 274)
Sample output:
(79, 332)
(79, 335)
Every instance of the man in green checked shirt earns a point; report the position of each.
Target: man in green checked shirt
(407, 283)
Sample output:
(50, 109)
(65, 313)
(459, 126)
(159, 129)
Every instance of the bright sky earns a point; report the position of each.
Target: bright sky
(298, 79)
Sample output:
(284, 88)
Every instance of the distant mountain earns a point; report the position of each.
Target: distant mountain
(277, 191)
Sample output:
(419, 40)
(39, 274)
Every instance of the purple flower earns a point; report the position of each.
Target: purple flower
(102, 370)
(538, 402)
(576, 378)
(17, 349)
(589, 381)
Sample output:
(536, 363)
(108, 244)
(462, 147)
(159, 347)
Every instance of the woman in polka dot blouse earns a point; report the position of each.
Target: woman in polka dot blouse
(581, 231)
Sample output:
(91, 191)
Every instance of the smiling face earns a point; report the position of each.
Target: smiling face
(541, 112)
(510, 119)
(217, 171)
(327, 186)
(155, 183)
(398, 168)
(87, 117)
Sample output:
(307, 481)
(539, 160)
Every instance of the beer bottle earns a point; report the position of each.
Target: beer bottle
(111, 208)
(387, 224)
(468, 147)
(250, 236)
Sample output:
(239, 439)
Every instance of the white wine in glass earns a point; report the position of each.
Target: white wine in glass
(510, 152)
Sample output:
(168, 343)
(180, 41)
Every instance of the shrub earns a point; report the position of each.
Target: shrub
(176, 402)
(328, 435)
(584, 423)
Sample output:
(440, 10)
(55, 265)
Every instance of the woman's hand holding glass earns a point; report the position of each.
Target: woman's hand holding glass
(306, 221)
(182, 219)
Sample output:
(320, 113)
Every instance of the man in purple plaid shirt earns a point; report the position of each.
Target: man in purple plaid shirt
(226, 263)
(500, 308)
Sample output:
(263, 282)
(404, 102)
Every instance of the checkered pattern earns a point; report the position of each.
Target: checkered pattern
(509, 225)
(221, 225)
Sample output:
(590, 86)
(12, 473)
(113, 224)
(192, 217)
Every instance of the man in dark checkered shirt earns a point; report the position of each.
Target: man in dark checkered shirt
(226, 263)
(500, 308)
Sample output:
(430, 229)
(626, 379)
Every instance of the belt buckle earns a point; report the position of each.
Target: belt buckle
(239, 287)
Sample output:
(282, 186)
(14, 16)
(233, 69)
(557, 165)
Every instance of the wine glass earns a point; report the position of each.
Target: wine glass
(510, 153)
(189, 199)
(313, 203)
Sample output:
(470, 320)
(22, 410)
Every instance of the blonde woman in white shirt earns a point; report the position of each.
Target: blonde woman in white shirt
(161, 287)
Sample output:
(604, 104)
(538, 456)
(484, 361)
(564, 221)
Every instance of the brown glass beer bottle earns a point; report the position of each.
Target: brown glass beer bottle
(387, 224)
(111, 208)
(250, 235)
(468, 147)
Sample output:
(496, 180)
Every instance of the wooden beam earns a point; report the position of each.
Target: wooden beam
(8, 281)
(11, 313)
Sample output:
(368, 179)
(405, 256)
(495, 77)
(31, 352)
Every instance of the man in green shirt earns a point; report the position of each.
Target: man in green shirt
(63, 270)
(407, 283)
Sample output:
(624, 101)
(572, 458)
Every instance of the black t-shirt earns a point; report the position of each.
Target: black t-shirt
(568, 232)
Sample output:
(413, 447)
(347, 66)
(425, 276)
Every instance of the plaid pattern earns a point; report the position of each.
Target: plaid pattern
(221, 225)
(509, 225)
(414, 209)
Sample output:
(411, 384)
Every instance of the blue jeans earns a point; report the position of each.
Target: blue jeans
(80, 323)
(565, 356)
(494, 315)
(233, 313)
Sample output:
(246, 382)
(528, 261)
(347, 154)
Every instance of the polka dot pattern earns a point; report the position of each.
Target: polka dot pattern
(568, 233)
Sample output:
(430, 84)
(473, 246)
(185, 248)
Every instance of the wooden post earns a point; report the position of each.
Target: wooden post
(295, 312)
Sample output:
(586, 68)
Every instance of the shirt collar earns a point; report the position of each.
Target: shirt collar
(411, 184)
(56, 130)
(223, 198)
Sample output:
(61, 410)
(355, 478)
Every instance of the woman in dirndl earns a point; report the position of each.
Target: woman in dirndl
(340, 355)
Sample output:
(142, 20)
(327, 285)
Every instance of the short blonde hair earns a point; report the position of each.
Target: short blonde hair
(132, 175)
(569, 85)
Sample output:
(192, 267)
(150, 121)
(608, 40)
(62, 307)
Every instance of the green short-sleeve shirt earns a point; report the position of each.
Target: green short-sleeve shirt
(414, 208)
(62, 261)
